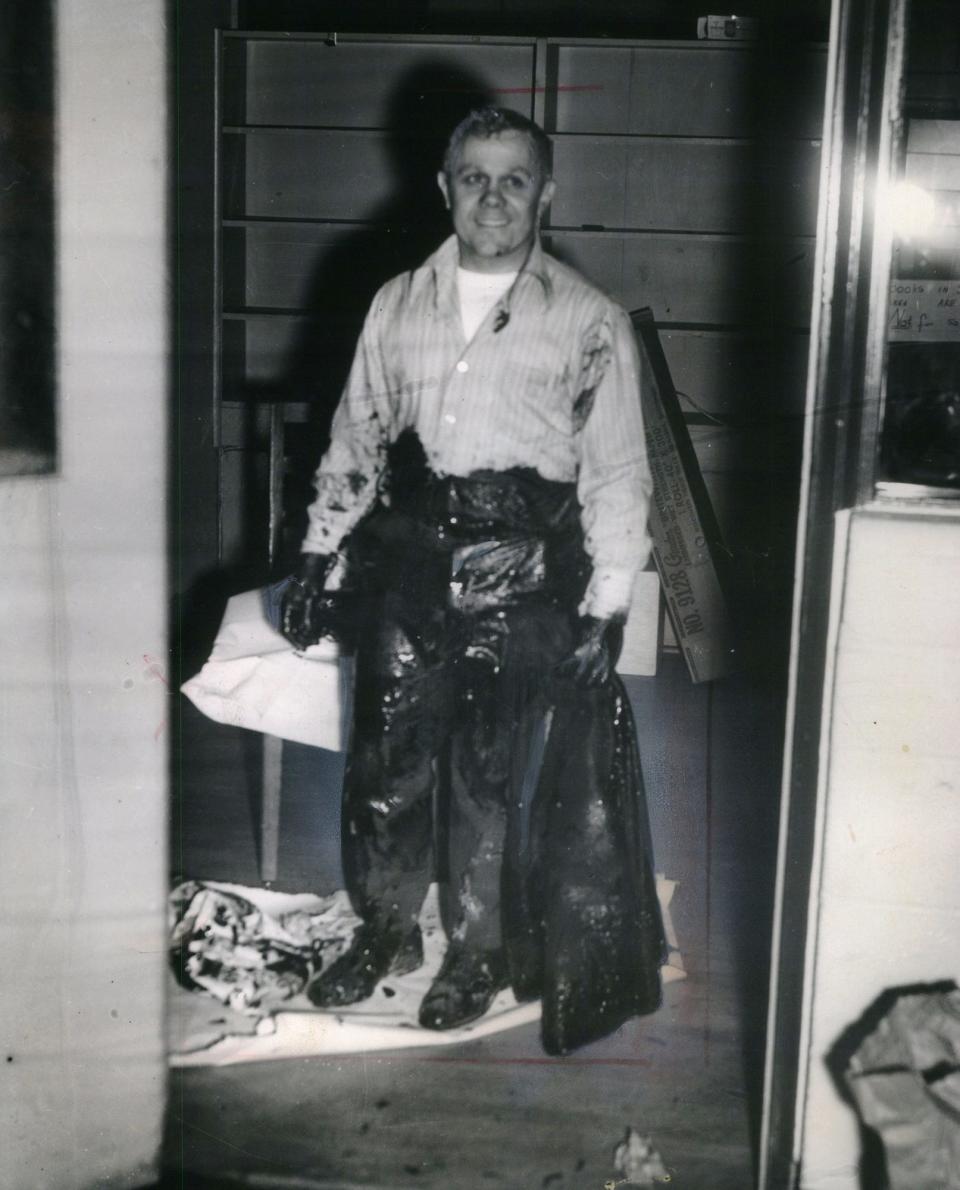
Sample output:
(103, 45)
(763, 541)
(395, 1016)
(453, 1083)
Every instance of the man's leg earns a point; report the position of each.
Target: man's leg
(400, 723)
(495, 701)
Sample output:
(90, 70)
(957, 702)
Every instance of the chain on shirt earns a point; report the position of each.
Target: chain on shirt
(550, 380)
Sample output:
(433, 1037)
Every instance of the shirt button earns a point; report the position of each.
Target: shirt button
(463, 366)
(449, 419)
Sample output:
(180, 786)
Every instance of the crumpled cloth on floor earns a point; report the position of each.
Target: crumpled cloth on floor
(252, 948)
(251, 1008)
(905, 1080)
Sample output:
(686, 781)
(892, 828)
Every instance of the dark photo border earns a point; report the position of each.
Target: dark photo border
(28, 437)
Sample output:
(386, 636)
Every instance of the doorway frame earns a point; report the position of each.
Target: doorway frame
(845, 382)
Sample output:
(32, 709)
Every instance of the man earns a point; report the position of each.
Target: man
(505, 564)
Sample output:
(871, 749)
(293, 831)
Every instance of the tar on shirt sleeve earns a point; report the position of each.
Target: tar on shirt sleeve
(550, 380)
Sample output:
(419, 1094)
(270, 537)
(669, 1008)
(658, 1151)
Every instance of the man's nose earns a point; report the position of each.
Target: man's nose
(492, 197)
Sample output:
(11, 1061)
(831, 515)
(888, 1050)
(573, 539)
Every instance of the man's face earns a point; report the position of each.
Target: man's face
(495, 195)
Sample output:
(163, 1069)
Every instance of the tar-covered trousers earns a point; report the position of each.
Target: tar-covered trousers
(452, 673)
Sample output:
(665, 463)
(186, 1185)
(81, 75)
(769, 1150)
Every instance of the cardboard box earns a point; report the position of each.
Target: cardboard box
(688, 549)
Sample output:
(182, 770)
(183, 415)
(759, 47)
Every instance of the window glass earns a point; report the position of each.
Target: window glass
(920, 443)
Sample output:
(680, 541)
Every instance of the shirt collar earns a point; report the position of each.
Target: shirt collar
(443, 264)
(536, 266)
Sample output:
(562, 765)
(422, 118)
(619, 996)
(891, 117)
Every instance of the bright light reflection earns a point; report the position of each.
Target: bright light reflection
(912, 210)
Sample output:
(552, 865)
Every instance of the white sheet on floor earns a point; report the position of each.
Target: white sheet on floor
(386, 1021)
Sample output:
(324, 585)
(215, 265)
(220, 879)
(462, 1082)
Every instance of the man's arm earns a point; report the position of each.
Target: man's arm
(364, 425)
(346, 481)
(614, 484)
(614, 489)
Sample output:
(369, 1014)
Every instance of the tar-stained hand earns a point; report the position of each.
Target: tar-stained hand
(595, 656)
(307, 612)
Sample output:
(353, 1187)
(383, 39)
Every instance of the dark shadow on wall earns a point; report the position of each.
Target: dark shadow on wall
(397, 235)
(425, 107)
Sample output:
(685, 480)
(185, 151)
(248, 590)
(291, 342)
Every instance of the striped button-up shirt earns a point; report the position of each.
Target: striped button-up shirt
(550, 381)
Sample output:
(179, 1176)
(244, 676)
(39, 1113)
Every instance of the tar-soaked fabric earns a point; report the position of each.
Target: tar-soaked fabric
(586, 932)
(471, 589)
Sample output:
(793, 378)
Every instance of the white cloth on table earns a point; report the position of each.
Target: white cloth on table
(255, 679)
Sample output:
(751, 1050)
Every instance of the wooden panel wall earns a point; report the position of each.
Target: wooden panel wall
(932, 80)
(318, 84)
(691, 277)
(687, 182)
(670, 195)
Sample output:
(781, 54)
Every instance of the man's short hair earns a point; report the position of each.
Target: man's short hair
(492, 121)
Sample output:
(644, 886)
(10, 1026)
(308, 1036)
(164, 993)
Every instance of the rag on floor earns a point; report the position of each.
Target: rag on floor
(250, 948)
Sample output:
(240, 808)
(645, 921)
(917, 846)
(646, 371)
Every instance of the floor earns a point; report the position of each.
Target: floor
(498, 1112)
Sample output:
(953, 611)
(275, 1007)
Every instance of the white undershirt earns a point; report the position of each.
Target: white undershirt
(479, 293)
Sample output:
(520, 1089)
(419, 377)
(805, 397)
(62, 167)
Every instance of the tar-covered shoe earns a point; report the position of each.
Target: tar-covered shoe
(464, 988)
(410, 955)
(372, 954)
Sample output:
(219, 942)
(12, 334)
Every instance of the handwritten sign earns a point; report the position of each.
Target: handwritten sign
(924, 310)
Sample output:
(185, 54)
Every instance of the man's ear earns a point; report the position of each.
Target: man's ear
(546, 195)
(444, 188)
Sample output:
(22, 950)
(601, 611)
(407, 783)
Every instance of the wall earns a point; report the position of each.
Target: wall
(82, 748)
(661, 151)
(886, 888)
(806, 19)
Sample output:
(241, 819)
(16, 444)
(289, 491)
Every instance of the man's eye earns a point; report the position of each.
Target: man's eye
(516, 183)
(472, 179)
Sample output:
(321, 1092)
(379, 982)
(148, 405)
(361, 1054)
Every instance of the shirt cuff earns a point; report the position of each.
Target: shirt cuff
(609, 592)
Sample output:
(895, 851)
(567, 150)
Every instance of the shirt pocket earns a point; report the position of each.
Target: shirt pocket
(542, 397)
